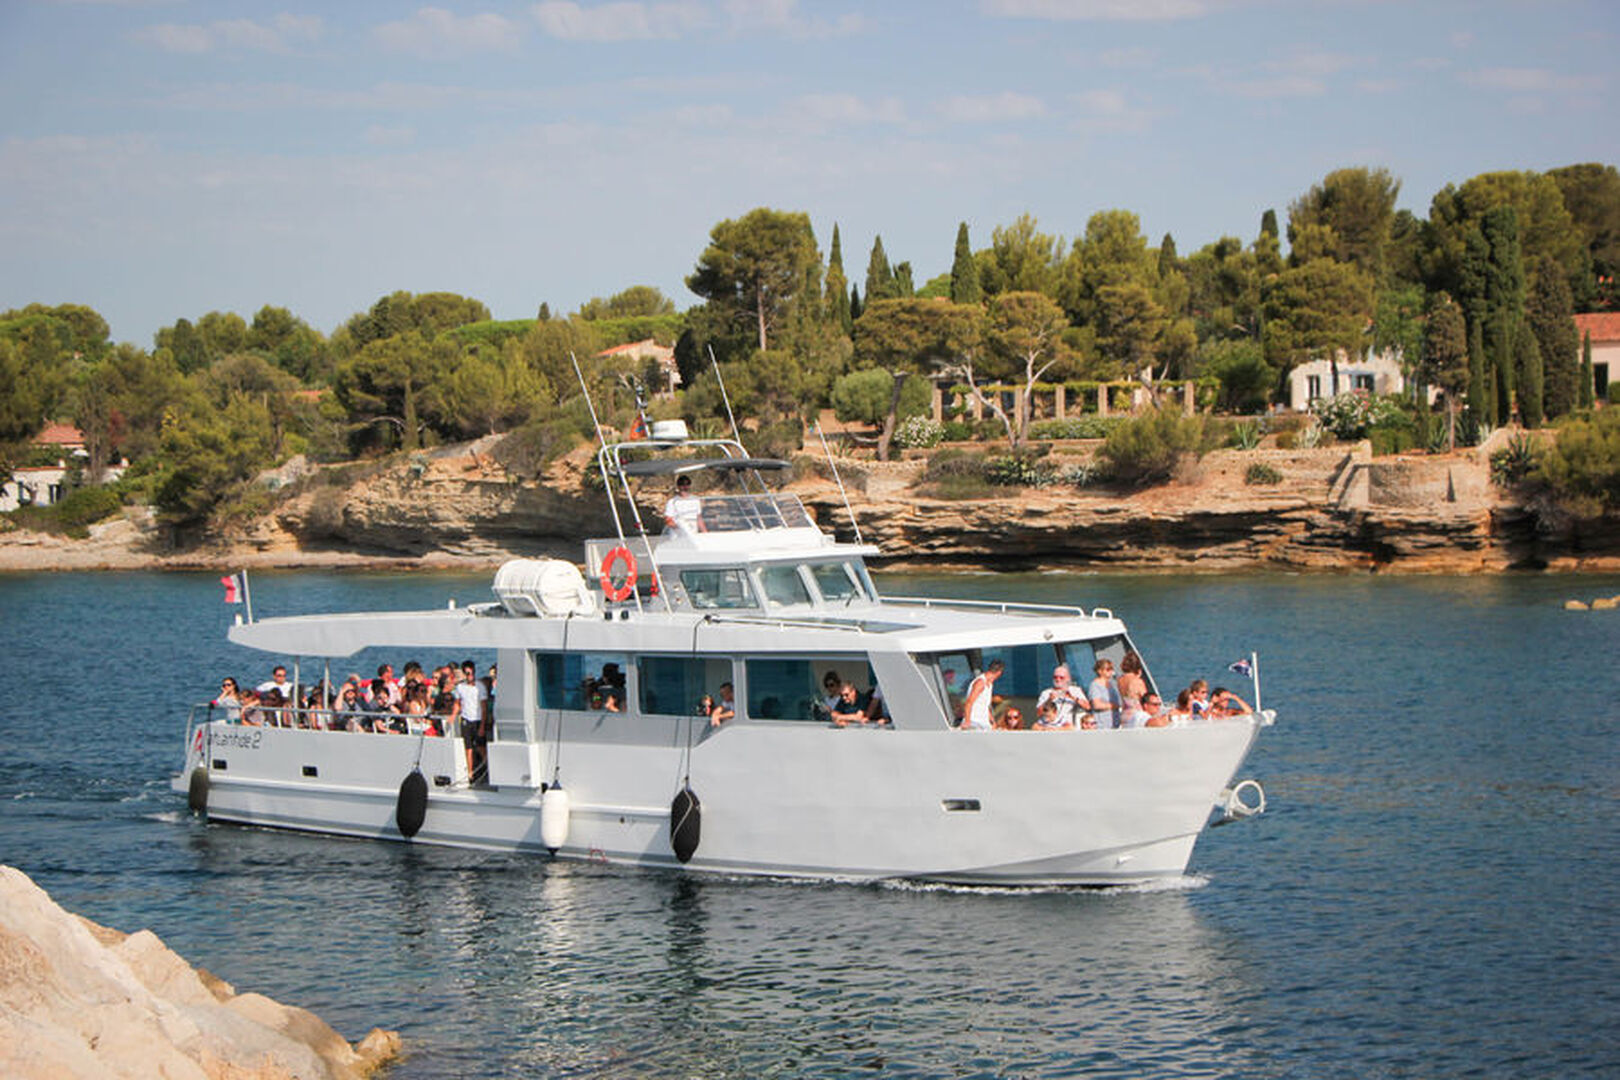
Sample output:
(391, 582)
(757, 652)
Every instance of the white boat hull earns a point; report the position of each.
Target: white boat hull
(1029, 808)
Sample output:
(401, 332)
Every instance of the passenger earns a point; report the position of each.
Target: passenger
(976, 707)
(1153, 713)
(1067, 702)
(851, 707)
(272, 711)
(349, 711)
(831, 684)
(418, 706)
(1046, 718)
(877, 710)
(385, 672)
(1011, 719)
(1104, 694)
(1199, 692)
(724, 709)
(1224, 703)
(1137, 715)
(1181, 715)
(1131, 683)
(445, 716)
(705, 706)
(278, 682)
(229, 699)
(683, 513)
(469, 695)
(252, 715)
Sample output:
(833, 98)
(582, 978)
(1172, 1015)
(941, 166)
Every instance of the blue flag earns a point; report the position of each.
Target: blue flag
(1242, 668)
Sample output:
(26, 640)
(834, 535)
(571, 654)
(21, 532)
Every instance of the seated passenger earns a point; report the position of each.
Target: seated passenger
(1224, 703)
(683, 513)
(271, 713)
(831, 684)
(1148, 713)
(877, 710)
(1199, 699)
(1047, 718)
(229, 699)
(1065, 698)
(851, 706)
(1180, 715)
(724, 709)
(252, 714)
(1011, 719)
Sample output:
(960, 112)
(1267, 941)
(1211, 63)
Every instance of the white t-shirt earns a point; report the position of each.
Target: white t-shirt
(682, 514)
(470, 694)
(978, 717)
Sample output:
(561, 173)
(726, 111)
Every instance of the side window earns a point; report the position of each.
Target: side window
(674, 685)
(784, 689)
(718, 588)
(581, 681)
(783, 586)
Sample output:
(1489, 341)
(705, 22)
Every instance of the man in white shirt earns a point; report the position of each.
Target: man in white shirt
(683, 514)
(470, 693)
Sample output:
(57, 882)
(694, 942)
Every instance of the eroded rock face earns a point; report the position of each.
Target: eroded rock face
(80, 1000)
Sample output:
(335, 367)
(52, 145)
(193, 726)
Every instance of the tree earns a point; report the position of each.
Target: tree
(1398, 324)
(837, 286)
(880, 281)
(965, 288)
(1445, 357)
(1240, 365)
(21, 413)
(1588, 383)
(637, 300)
(1359, 206)
(864, 396)
(1318, 310)
(1112, 252)
(1592, 197)
(1023, 330)
(399, 380)
(1021, 258)
(1129, 324)
(208, 454)
(904, 337)
(1504, 300)
(1268, 246)
(430, 314)
(755, 267)
(1481, 382)
(1544, 226)
(903, 284)
(1528, 375)
(1549, 310)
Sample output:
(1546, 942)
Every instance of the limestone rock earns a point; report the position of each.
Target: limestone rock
(80, 1000)
(1575, 605)
(1605, 603)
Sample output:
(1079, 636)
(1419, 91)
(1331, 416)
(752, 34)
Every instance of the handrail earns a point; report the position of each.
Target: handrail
(1006, 606)
(789, 623)
(210, 707)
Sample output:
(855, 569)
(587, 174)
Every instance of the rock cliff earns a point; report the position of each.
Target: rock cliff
(1332, 509)
(80, 1000)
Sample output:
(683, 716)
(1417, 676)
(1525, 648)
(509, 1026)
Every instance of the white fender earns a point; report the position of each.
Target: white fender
(554, 817)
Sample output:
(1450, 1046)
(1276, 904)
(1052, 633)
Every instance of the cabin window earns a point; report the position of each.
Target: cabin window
(674, 685)
(783, 586)
(727, 588)
(792, 688)
(581, 681)
(1026, 670)
(837, 582)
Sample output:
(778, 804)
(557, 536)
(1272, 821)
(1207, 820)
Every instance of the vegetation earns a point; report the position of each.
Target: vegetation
(1477, 298)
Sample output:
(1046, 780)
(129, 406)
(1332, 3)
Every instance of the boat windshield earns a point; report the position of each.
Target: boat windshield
(840, 582)
(750, 513)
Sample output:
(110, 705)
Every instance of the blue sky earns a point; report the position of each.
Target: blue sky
(163, 158)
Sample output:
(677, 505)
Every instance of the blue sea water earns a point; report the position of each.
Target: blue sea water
(1433, 892)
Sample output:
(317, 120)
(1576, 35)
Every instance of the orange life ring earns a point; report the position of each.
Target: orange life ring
(613, 592)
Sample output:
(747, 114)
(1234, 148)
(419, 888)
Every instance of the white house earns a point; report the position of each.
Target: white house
(1604, 326)
(1377, 373)
(43, 485)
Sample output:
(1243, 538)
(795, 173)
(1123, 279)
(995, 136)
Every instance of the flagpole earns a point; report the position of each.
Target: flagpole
(1254, 668)
(247, 596)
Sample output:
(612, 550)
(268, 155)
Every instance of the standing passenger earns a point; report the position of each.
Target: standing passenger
(976, 709)
(1104, 694)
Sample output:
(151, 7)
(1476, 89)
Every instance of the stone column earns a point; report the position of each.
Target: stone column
(1102, 400)
(1187, 397)
(1060, 401)
(939, 404)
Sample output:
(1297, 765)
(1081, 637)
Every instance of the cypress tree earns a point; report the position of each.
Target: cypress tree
(855, 305)
(903, 285)
(965, 287)
(1168, 262)
(1588, 383)
(879, 275)
(837, 285)
(1481, 405)
(1504, 301)
(1527, 354)
(1550, 311)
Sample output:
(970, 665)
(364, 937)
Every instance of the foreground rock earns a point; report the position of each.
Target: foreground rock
(80, 1000)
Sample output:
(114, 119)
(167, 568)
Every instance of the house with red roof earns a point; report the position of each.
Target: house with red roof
(1604, 326)
(42, 485)
(649, 349)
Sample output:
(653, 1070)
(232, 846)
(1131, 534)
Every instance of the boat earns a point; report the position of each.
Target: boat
(601, 751)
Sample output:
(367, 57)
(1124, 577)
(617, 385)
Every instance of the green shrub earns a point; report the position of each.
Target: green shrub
(1088, 426)
(956, 431)
(1613, 393)
(1287, 440)
(1513, 462)
(1392, 440)
(1145, 450)
(1348, 416)
(1022, 469)
(778, 440)
(1260, 474)
(864, 396)
(1582, 466)
(1245, 435)
(70, 517)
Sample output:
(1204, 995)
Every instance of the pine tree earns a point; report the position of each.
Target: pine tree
(965, 287)
(837, 286)
(879, 275)
(1527, 355)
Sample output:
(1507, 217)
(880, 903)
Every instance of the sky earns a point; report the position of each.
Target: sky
(160, 159)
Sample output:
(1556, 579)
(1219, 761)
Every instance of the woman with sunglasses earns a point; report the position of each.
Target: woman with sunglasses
(230, 700)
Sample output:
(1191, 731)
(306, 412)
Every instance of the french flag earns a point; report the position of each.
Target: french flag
(234, 587)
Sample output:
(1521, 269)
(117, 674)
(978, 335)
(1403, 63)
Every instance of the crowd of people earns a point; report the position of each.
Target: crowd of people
(451, 701)
(1110, 700)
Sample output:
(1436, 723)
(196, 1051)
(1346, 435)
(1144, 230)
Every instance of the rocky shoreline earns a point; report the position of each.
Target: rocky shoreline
(1336, 509)
(80, 1000)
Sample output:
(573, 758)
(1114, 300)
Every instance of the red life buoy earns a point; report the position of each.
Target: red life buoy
(619, 592)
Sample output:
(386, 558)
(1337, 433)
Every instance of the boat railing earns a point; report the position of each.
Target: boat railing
(787, 622)
(1008, 607)
(288, 716)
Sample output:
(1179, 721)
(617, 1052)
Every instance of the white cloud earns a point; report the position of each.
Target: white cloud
(436, 32)
(703, 116)
(846, 110)
(1098, 10)
(993, 108)
(783, 17)
(622, 20)
(1530, 81)
(278, 35)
